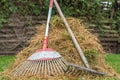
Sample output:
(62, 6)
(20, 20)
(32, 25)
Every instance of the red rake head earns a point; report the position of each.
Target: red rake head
(44, 54)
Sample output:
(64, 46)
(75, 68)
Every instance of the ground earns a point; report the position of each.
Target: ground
(111, 59)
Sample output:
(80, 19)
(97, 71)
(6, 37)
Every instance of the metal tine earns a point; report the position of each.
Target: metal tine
(82, 72)
(51, 68)
(48, 68)
(75, 71)
(54, 70)
(24, 72)
(78, 72)
(45, 68)
(14, 70)
(64, 61)
(42, 67)
(69, 69)
(58, 64)
(28, 69)
(34, 67)
(18, 71)
(72, 69)
(24, 69)
(62, 65)
(36, 70)
(31, 69)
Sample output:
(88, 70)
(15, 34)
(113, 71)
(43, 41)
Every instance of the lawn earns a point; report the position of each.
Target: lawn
(112, 59)
(5, 62)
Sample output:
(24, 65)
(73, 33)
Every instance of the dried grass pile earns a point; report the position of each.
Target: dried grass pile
(60, 40)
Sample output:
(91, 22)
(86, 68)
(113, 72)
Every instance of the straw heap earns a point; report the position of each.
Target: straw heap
(60, 41)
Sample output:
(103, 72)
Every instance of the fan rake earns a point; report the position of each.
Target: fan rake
(44, 62)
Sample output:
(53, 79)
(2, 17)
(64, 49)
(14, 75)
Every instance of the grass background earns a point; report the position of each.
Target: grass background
(111, 59)
(5, 62)
(114, 61)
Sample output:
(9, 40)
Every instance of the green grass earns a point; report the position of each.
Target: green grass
(5, 62)
(114, 61)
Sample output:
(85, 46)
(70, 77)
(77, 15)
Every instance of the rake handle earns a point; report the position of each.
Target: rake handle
(45, 42)
(72, 35)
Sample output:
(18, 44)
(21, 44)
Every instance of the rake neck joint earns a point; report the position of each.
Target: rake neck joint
(45, 42)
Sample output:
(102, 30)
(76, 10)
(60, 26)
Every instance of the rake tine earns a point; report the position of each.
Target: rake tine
(60, 68)
(51, 69)
(36, 69)
(78, 72)
(45, 70)
(24, 69)
(54, 68)
(62, 65)
(72, 70)
(75, 72)
(32, 68)
(48, 68)
(18, 71)
(14, 70)
(28, 70)
(68, 70)
(40, 68)
(65, 62)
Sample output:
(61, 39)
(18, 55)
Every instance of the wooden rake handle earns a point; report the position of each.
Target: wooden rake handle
(84, 60)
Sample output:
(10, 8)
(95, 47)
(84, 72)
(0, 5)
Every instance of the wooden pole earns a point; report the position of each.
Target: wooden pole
(84, 60)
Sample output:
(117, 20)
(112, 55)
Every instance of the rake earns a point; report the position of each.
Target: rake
(44, 62)
(75, 70)
(83, 58)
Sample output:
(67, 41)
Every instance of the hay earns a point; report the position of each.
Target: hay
(60, 40)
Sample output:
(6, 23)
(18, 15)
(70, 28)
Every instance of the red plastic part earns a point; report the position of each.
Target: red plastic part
(51, 3)
(45, 43)
(47, 49)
